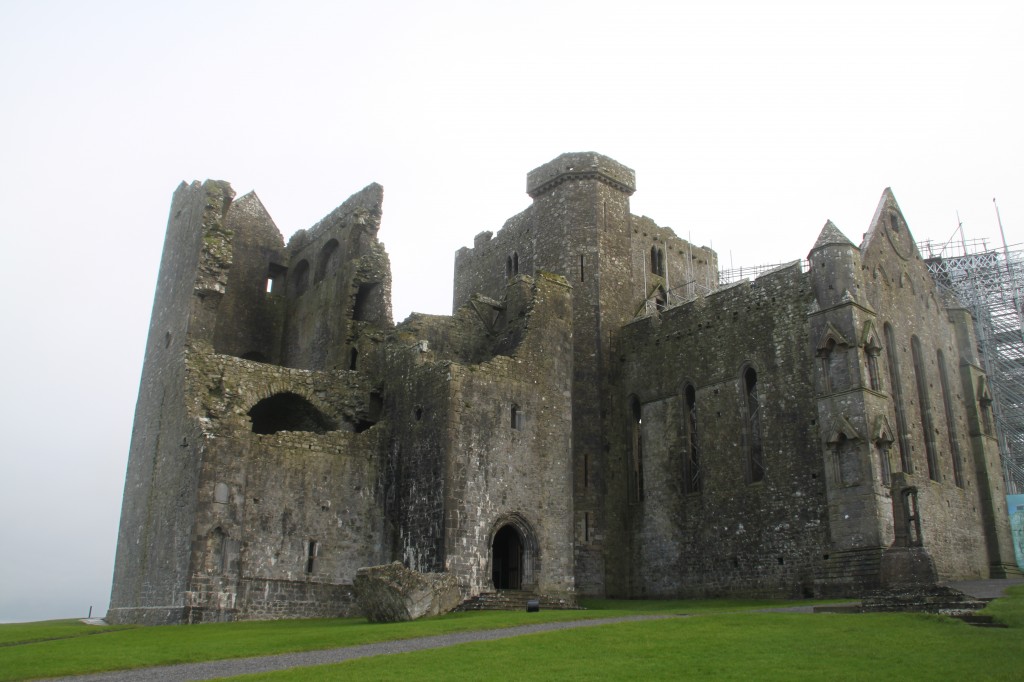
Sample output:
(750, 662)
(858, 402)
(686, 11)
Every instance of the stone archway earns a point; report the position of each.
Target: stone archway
(507, 559)
(513, 554)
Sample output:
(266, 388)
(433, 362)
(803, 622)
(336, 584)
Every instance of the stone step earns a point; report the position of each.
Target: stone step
(978, 620)
(515, 600)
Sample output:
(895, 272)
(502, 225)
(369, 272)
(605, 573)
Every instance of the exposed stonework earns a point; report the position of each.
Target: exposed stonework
(596, 417)
(393, 593)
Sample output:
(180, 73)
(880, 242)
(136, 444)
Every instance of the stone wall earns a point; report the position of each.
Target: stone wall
(730, 533)
(154, 542)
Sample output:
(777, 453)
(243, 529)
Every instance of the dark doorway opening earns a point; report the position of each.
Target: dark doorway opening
(507, 559)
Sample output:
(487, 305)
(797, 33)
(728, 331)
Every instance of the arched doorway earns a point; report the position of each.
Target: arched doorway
(507, 559)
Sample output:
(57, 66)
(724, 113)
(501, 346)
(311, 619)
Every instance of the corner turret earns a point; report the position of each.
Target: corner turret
(835, 265)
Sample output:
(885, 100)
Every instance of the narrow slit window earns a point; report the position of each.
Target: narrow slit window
(312, 548)
(691, 464)
(902, 440)
(951, 432)
(925, 404)
(637, 453)
(755, 450)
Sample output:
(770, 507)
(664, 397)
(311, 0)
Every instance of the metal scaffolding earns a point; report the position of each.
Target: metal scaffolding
(990, 283)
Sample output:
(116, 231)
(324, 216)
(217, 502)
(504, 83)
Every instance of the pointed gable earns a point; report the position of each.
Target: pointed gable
(258, 225)
(888, 226)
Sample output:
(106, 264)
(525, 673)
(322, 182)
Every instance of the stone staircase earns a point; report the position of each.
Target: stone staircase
(515, 600)
(939, 599)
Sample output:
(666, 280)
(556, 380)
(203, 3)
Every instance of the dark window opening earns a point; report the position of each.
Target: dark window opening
(586, 470)
(366, 296)
(582, 278)
(327, 261)
(353, 358)
(374, 410)
(691, 464)
(516, 417)
(894, 222)
(507, 559)
(515, 263)
(902, 437)
(657, 261)
(255, 356)
(312, 549)
(508, 268)
(417, 413)
(925, 405)
(755, 450)
(586, 526)
(288, 412)
(275, 278)
(636, 488)
(299, 280)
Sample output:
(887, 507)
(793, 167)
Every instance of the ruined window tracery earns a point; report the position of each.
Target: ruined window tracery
(752, 427)
(912, 518)
(897, 398)
(691, 463)
(925, 405)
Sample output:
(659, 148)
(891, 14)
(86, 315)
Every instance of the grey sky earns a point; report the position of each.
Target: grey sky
(749, 125)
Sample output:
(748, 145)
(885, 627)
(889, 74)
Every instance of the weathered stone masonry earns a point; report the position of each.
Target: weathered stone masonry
(597, 416)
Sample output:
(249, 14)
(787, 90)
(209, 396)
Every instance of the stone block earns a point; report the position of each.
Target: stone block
(392, 593)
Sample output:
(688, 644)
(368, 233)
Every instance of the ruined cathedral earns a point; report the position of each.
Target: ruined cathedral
(598, 416)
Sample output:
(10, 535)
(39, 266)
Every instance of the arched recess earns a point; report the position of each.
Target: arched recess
(298, 281)
(514, 554)
(327, 261)
(289, 412)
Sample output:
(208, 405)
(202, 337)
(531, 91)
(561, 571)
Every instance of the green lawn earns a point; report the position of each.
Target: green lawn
(722, 644)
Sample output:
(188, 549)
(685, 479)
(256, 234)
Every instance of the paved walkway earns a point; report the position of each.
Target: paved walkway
(985, 589)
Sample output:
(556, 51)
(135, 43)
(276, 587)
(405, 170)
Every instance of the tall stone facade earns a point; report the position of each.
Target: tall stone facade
(597, 416)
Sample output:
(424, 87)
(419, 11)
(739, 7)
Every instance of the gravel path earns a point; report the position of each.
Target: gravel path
(260, 664)
(242, 666)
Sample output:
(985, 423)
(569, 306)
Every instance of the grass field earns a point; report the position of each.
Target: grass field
(722, 644)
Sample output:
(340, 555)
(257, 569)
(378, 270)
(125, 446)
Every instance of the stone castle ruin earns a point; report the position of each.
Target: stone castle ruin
(598, 417)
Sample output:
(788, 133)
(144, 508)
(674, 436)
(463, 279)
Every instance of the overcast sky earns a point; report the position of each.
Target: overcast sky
(748, 125)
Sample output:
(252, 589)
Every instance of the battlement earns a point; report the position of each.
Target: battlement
(580, 166)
